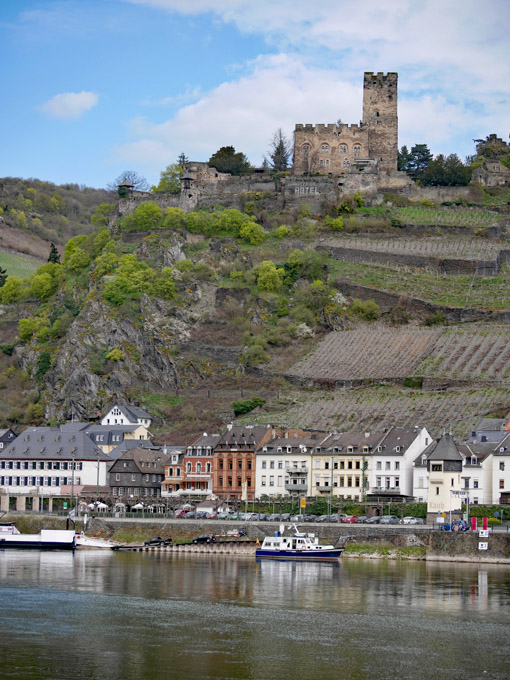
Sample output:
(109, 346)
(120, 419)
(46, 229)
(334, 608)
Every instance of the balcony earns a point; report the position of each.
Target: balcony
(324, 488)
(298, 487)
(295, 470)
(385, 489)
(197, 476)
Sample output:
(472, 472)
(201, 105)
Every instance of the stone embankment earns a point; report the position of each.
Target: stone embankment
(437, 545)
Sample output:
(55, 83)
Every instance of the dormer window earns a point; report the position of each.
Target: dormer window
(379, 448)
(474, 460)
(350, 449)
(398, 448)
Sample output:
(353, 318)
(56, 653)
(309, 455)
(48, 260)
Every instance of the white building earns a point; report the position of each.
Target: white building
(127, 415)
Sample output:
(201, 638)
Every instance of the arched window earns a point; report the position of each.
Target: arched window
(199, 467)
(346, 163)
(327, 162)
(343, 148)
(324, 148)
(357, 149)
(306, 148)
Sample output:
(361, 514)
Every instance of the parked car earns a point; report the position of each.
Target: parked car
(389, 519)
(333, 518)
(322, 518)
(158, 542)
(373, 520)
(410, 520)
(361, 519)
(285, 516)
(179, 514)
(348, 519)
(205, 538)
(201, 515)
(223, 515)
(190, 515)
(296, 518)
(274, 517)
(212, 515)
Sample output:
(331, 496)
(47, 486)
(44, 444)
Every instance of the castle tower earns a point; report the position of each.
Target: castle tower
(381, 117)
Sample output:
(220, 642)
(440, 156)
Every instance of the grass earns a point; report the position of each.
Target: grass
(478, 292)
(18, 265)
(423, 216)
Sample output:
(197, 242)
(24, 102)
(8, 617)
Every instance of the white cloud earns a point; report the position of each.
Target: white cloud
(69, 105)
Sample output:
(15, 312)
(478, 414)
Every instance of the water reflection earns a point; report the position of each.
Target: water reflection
(138, 615)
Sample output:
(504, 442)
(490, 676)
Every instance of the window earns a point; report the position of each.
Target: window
(357, 149)
(220, 481)
(378, 481)
(271, 480)
(280, 478)
(327, 162)
(264, 464)
(280, 465)
(437, 491)
(387, 465)
(397, 481)
(342, 465)
(349, 465)
(326, 465)
(502, 467)
(343, 148)
(397, 465)
(501, 483)
(475, 484)
(346, 163)
(271, 465)
(263, 482)
(358, 465)
(133, 477)
(117, 477)
(306, 148)
(378, 465)
(324, 148)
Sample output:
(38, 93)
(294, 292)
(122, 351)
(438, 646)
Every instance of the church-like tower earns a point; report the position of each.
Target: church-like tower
(380, 116)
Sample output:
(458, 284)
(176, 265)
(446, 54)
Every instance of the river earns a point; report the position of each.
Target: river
(144, 616)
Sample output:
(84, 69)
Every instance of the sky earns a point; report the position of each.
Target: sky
(91, 88)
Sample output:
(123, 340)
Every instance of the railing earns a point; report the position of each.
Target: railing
(383, 489)
(302, 486)
(296, 470)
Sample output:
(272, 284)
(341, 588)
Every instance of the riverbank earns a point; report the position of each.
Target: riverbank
(365, 541)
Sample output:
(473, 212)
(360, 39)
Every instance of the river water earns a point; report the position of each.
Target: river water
(144, 616)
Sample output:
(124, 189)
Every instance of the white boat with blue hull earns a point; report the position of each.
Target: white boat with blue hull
(297, 547)
(46, 539)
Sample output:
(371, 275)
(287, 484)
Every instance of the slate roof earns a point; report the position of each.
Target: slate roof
(206, 440)
(284, 442)
(135, 412)
(52, 443)
(357, 440)
(445, 449)
(129, 444)
(239, 436)
(146, 456)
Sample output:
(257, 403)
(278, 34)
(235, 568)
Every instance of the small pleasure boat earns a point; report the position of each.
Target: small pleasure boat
(46, 539)
(83, 541)
(297, 547)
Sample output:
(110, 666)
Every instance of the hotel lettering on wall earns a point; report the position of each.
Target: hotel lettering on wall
(303, 189)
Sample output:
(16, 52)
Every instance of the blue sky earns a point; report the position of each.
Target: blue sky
(94, 87)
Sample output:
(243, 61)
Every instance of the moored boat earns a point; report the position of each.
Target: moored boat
(300, 546)
(46, 539)
(93, 543)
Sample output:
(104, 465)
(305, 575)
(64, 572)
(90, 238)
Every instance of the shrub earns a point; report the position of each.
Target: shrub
(254, 356)
(174, 218)
(282, 231)
(145, 217)
(13, 290)
(337, 224)
(43, 365)
(269, 278)
(242, 407)
(368, 309)
(35, 325)
(253, 233)
(115, 354)
(184, 265)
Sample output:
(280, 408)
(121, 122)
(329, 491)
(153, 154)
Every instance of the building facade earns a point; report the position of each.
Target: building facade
(338, 148)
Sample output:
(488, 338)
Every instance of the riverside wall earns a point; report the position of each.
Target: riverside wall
(439, 545)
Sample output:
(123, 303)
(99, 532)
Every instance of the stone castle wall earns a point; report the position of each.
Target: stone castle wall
(371, 146)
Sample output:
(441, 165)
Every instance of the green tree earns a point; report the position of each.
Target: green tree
(226, 159)
(102, 214)
(147, 216)
(280, 151)
(12, 290)
(3, 276)
(170, 180)
(420, 157)
(174, 218)
(269, 278)
(78, 260)
(183, 160)
(54, 255)
(403, 159)
(42, 287)
(253, 233)
(446, 171)
(57, 203)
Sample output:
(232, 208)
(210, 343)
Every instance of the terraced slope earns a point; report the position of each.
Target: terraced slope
(374, 352)
(345, 409)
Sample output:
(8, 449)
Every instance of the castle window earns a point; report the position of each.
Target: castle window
(324, 148)
(327, 162)
(346, 163)
(357, 149)
(322, 163)
(306, 148)
(343, 148)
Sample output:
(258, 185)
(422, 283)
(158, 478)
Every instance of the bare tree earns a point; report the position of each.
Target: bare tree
(138, 181)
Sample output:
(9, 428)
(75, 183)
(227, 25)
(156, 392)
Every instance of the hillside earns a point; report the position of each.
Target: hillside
(34, 214)
(390, 314)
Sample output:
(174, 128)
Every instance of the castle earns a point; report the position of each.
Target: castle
(371, 146)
